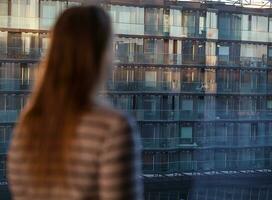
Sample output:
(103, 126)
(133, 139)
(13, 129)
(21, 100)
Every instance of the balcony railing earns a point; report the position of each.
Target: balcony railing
(3, 174)
(189, 87)
(158, 86)
(4, 147)
(207, 141)
(21, 53)
(245, 35)
(204, 115)
(33, 23)
(211, 166)
(191, 31)
(190, 59)
(9, 116)
(36, 23)
(15, 85)
(151, 58)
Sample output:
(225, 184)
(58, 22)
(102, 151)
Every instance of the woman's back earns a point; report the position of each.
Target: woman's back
(102, 163)
(65, 145)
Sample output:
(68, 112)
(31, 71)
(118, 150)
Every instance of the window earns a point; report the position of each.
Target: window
(220, 159)
(148, 162)
(270, 51)
(186, 134)
(187, 105)
(148, 131)
(269, 104)
(150, 79)
(150, 103)
(49, 10)
(223, 51)
(154, 21)
(4, 8)
(212, 20)
(3, 160)
(2, 135)
(270, 24)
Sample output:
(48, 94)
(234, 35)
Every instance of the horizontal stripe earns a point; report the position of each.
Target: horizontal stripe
(103, 162)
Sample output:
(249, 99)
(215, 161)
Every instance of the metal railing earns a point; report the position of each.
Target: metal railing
(228, 166)
(15, 85)
(9, 116)
(190, 59)
(33, 23)
(21, 53)
(151, 58)
(189, 87)
(191, 31)
(207, 141)
(204, 115)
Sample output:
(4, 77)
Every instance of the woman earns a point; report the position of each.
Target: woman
(66, 145)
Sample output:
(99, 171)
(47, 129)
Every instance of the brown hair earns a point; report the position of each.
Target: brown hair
(69, 79)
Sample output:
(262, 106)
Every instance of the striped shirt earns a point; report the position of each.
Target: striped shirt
(104, 163)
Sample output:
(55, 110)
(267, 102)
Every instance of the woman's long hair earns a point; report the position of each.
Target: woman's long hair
(70, 75)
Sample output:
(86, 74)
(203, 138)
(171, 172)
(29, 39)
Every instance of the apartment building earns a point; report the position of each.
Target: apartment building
(195, 75)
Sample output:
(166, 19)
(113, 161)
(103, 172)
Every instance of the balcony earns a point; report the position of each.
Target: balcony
(193, 167)
(3, 175)
(4, 147)
(9, 116)
(190, 59)
(190, 32)
(32, 23)
(206, 142)
(164, 30)
(204, 115)
(244, 35)
(35, 54)
(175, 86)
(21, 53)
(13, 85)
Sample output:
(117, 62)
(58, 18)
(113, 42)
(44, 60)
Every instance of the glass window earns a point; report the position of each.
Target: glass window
(270, 24)
(2, 135)
(150, 79)
(186, 133)
(150, 103)
(154, 19)
(3, 8)
(148, 162)
(176, 17)
(269, 104)
(223, 51)
(24, 8)
(220, 159)
(261, 24)
(49, 10)
(187, 105)
(124, 15)
(148, 131)
(212, 20)
(270, 51)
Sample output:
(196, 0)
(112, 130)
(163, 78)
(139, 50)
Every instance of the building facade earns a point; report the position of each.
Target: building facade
(196, 76)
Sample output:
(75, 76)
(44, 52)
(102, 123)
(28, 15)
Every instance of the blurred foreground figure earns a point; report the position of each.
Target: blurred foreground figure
(66, 144)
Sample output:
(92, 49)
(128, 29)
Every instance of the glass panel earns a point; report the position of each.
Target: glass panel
(186, 133)
(150, 79)
(3, 8)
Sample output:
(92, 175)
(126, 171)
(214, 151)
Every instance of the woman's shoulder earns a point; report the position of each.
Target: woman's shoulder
(110, 117)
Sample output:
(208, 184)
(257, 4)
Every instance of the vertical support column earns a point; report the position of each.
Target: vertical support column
(166, 52)
(9, 7)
